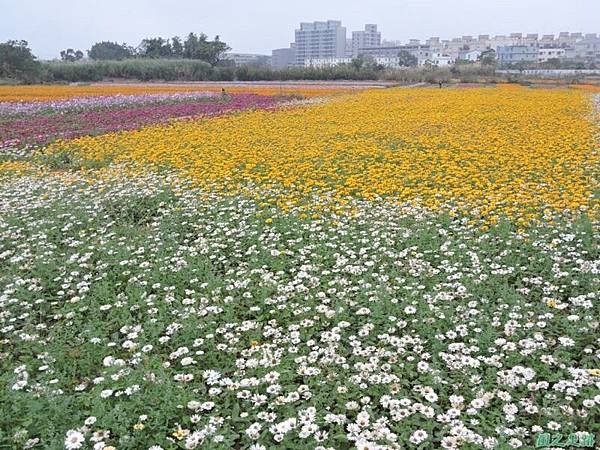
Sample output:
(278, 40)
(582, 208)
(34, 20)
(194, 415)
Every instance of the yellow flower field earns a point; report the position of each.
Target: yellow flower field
(492, 151)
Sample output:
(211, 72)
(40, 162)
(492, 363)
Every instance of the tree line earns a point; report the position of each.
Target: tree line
(194, 46)
(17, 62)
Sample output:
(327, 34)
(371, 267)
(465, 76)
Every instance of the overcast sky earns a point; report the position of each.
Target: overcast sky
(258, 26)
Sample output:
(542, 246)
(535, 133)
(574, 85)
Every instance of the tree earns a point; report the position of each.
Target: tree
(521, 65)
(216, 50)
(71, 55)
(199, 47)
(17, 62)
(177, 47)
(191, 44)
(407, 59)
(487, 58)
(363, 61)
(110, 50)
(155, 48)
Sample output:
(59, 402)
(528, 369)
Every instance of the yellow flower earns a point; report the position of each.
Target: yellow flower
(551, 303)
(138, 426)
(269, 220)
(594, 372)
(253, 344)
(180, 433)
(488, 153)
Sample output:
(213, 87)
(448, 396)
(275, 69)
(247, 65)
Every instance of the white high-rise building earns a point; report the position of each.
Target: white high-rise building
(320, 40)
(368, 38)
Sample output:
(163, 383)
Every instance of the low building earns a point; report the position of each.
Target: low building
(390, 43)
(320, 63)
(545, 54)
(440, 60)
(389, 62)
(421, 52)
(469, 55)
(385, 61)
(282, 58)
(241, 59)
(512, 54)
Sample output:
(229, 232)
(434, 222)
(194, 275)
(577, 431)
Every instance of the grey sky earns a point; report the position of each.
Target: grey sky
(258, 26)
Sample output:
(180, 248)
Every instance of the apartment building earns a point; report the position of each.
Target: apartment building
(547, 40)
(326, 42)
(316, 40)
(512, 54)
(587, 49)
(434, 43)
(547, 53)
(369, 37)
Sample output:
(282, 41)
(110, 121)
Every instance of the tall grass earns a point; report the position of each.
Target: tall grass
(193, 70)
(138, 69)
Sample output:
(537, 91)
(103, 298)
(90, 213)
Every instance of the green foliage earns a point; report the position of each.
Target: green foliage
(155, 48)
(177, 47)
(362, 61)
(552, 63)
(196, 47)
(135, 69)
(488, 58)
(67, 161)
(110, 51)
(109, 287)
(407, 59)
(341, 72)
(17, 62)
(199, 47)
(192, 70)
(71, 55)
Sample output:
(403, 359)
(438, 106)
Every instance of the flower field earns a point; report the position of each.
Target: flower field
(66, 120)
(376, 269)
(52, 93)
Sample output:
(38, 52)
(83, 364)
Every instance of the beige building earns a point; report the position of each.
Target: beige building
(369, 37)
